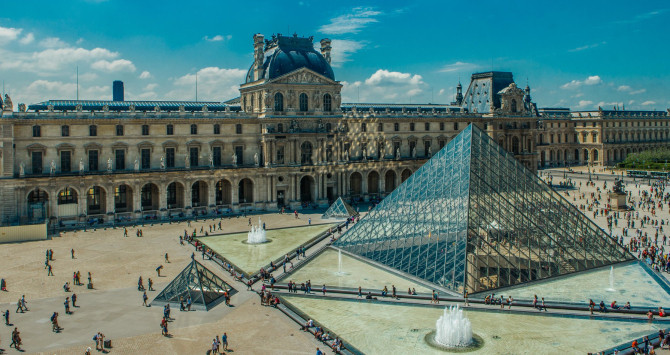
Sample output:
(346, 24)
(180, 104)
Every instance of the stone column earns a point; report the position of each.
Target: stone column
(109, 199)
(211, 192)
(137, 199)
(53, 203)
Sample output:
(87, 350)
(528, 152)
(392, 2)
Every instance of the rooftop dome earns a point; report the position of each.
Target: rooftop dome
(284, 54)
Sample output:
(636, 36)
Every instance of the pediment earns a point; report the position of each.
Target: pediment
(303, 76)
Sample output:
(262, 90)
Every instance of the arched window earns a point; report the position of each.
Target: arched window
(513, 105)
(279, 102)
(327, 102)
(303, 102)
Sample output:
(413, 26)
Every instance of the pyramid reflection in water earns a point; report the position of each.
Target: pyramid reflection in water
(474, 218)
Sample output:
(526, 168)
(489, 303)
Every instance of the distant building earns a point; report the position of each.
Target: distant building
(117, 90)
(286, 141)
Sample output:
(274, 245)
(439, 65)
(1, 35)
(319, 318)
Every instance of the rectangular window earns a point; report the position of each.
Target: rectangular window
(65, 131)
(146, 158)
(169, 130)
(412, 148)
(427, 126)
(364, 127)
(37, 131)
(37, 162)
(441, 126)
(145, 129)
(411, 126)
(65, 161)
(426, 148)
(396, 127)
(92, 130)
(194, 129)
(280, 155)
(455, 126)
(217, 129)
(92, 160)
(216, 156)
(120, 159)
(364, 149)
(193, 155)
(380, 127)
(396, 148)
(119, 130)
(239, 153)
(120, 197)
(238, 128)
(441, 143)
(169, 157)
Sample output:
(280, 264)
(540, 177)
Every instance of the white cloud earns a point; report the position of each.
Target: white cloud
(8, 34)
(385, 86)
(641, 91)
(384, 77)
(150, 87)
(591, 80)
(145, 75)
(458, 67)
(624, 88)
(342, 49)
(588, 46)
(584, 103)
(27, 39)
(647, 103)
(40, 90)
(50, 61)
(440, 92)
(215, 84)
(114, 66)
(351, 23)
(217, 38)
(53, 42)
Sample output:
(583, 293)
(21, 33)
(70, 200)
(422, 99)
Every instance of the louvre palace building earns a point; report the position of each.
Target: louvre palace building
(288, 140)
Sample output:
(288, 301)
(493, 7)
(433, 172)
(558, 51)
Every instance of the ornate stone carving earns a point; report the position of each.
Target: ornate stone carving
(8, 105)
(52, 168)
(234, 159)
(137, 165)
(22, 107)
(22, 169)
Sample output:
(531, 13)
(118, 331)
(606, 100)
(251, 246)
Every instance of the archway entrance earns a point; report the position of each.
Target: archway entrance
(223, 192)
(405, 175)
(246, 191)
(149, 197)
(307, 189)
(373, 182)
(389, 181)
(38, 202)
(96, 201)
(199, 194)
(123, 199)
(175, 195)
(355, 184)
(67, 203)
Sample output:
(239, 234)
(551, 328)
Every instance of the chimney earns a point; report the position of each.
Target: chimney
(258, 56)
(117, 90)
(325, 49)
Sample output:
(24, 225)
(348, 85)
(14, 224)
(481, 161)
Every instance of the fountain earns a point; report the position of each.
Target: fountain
(453, 329)
(339, 264)
(611, 289)
(257, 234)
(453, 332)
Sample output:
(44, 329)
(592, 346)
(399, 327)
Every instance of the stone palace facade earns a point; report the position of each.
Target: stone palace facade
(286, 141)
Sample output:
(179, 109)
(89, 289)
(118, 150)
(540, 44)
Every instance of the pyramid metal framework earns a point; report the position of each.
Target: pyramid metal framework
(339, 209)
(197, 282)
(474, 218)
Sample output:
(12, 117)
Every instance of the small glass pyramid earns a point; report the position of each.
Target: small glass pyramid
(474, 218)
(196, 282)
(339, 209)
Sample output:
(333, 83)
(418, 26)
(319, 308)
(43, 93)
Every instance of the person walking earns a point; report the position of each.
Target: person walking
(67, 305)
(145, 298)
(158, 269)
(72, 253)
(74, 300)
(151, 285)
(224, 341)
(167, 260)
(19, 306)
(50, 273)
(6, 315)
(16, 339)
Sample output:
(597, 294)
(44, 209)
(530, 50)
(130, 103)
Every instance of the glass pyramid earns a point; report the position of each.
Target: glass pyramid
(196, 282)
(474, 218)
(339, 209)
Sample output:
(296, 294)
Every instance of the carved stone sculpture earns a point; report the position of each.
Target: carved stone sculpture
(81, 166)
(22, 107)
(52, 167)
(137, 165)
(397, 153)
(22, 169)
(256, 159)
(109, 164)
(8, 105)
(414, 152)
(187, 162)
(163, 163)
(234, 159)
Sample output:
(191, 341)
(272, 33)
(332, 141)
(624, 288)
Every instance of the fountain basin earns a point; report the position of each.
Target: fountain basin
(476, 344)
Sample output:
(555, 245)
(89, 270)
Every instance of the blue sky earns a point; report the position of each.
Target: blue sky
(572, 54)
